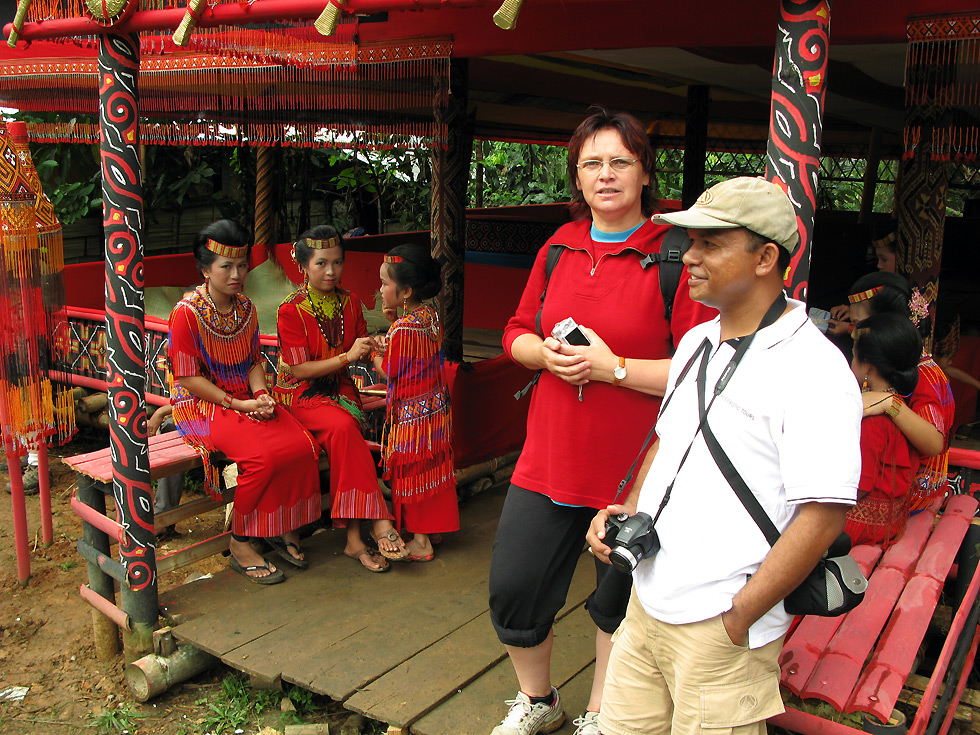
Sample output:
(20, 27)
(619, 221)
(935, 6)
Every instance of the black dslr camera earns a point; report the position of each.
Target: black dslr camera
(630, 538)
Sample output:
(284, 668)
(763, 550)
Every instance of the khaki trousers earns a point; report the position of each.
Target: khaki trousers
(687, 680)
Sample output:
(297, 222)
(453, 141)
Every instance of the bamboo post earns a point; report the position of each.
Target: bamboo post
(799, 85)
(122, 193)
(104, 633)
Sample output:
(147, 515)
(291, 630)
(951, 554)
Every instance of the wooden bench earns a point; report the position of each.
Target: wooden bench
(860, 662)
(170, 455)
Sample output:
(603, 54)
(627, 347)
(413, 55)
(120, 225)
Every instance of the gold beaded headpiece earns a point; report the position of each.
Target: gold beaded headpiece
(393, 259)
(316, 244)
(859, 332)
(855, 298)
(226, 251)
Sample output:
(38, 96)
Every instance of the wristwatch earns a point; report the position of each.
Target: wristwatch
(619, 372)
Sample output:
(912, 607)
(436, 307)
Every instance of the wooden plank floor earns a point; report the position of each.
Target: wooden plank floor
(413, 647)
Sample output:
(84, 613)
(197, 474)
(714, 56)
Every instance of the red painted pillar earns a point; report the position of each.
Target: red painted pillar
(799, 85)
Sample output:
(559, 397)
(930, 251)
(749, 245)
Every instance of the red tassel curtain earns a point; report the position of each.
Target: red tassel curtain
(942, 91)
(256, 86)
(33, 325)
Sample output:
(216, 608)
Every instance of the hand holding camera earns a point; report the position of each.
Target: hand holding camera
(621, 539)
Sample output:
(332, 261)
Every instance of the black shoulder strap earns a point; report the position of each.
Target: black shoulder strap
(554, 253)
(551, 260)
(672, 249)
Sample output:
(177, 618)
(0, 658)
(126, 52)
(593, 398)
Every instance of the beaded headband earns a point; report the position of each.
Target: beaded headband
(393, 259)
(859, 332)
(855, 298)
(226, 251)
(315, 244)
(885, 241)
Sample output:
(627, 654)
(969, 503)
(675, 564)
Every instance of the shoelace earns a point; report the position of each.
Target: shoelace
(516, 714)
(585, 720)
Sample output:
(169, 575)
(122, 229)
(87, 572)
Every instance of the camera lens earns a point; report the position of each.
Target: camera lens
(623, 560)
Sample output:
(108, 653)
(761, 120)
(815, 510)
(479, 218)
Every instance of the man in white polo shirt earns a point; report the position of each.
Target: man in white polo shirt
(698, 649)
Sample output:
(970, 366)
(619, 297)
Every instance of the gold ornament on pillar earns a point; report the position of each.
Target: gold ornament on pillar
(326, 24)
(109, 12)
(506, 16)
(188, 23)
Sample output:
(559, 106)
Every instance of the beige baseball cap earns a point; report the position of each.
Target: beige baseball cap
(746, 201)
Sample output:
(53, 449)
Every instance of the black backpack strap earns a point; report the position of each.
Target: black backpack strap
(551, 260)
(672, 249)
(554, 253)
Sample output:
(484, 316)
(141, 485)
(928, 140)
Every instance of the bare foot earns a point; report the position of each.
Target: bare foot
(368, 558)
(292, 545)
(248, 557)
(417, 548)
(390, 544)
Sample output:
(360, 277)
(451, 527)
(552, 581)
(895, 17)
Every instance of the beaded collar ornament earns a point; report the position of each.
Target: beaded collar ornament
(226, 251)
(918, 306)
(864, 295)
(328, 310)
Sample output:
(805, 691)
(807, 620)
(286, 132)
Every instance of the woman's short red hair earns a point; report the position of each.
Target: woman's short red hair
(634, 137)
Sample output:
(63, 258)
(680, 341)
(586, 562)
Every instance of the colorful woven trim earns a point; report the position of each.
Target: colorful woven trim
(393, 259)
(855, 298)
(315, 244)
(859, 332)
(226, 251)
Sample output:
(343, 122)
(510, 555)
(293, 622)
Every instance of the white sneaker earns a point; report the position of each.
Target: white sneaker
(525, 718)
(587, 724)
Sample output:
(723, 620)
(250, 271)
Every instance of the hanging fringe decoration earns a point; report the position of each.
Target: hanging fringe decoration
(33, 326)
(942, 92)
(252, 87)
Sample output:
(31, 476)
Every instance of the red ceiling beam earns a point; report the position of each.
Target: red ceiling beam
(227, 14)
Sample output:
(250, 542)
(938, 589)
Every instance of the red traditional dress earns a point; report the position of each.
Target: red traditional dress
(883, 490)
(278, 484)
(417, 442)
(330, 406)
(932, 399)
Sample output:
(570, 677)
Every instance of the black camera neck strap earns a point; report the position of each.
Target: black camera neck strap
(721, 458)
(704, 353)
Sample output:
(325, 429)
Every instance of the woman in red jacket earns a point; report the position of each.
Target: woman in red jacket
(590, 409)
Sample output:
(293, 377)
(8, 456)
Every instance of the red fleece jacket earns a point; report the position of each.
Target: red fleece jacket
(577, 452)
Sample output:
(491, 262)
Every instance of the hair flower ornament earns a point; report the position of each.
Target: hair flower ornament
(918, 306)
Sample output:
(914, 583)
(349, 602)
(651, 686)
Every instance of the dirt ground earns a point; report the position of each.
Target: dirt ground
(46, 627)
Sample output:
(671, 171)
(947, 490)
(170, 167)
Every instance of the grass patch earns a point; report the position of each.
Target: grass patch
(121, 719)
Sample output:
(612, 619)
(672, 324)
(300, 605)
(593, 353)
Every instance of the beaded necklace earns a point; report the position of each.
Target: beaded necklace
(222, 318)
(329, 314)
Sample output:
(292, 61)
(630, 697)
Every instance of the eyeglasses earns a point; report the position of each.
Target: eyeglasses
(594, 166)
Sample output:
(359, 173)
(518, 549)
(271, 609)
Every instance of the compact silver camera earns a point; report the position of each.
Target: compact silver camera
(569, 333)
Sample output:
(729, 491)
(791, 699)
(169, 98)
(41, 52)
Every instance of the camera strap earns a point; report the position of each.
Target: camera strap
(704, 352)
(721, 458)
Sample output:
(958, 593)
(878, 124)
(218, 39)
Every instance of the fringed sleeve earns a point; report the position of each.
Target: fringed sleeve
(185, 343)
(293, 350)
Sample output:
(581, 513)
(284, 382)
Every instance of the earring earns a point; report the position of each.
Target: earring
(864, 384)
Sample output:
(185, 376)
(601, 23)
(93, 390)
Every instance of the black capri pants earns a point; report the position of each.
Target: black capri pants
(537, 547)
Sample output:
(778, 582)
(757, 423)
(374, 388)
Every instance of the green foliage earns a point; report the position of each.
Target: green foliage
(65, 566)
(238, 706)
(519, 173)
(121, 719)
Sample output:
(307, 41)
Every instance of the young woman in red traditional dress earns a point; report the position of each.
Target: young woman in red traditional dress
(929, 422)
(417, 443)
(322, 330)
(221, 403)
(886, 357)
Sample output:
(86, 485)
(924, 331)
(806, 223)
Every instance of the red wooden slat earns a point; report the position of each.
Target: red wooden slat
(964, 457)
(938, 556)
(883, 679)
(839, 667)
(803, 649)
(904, 554)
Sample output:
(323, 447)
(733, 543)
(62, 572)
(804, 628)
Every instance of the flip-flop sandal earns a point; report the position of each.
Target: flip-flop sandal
(373, 555)
(418, 558)
(281, 546)
(271, 578)
(394, 538)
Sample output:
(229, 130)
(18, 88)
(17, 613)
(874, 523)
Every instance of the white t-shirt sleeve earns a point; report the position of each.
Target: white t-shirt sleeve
(820, 445)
